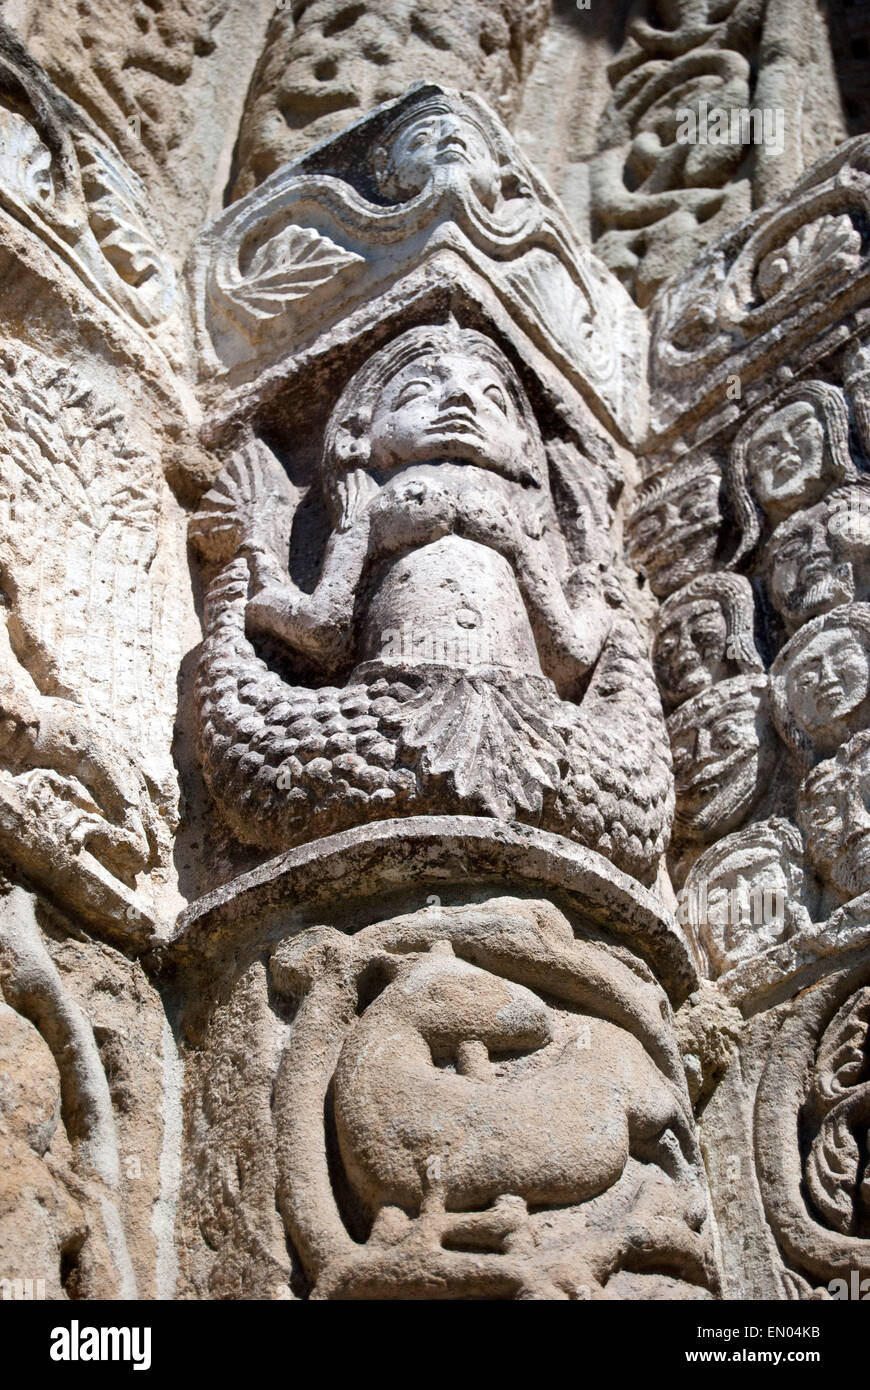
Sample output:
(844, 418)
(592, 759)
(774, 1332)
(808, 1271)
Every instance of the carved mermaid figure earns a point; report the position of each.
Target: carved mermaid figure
(490, 665)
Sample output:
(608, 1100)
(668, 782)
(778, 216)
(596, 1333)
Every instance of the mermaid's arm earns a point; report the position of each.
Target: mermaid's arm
(318, 625)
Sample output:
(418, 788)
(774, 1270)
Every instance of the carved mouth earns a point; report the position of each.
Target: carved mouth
(830, 694)
(785, 470)
(456, 422)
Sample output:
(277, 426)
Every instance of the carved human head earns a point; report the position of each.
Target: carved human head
(786, 456)
(820, 682)
(724, 754)
(674, 528)
(704, 634)
(747, 892)
(834, 814)
(433, 395)
(436, 138)
(817, 559)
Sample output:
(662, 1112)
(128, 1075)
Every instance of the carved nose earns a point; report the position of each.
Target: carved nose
(456, 395)
(451, 130)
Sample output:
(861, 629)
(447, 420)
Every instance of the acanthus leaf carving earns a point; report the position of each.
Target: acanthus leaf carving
(288, 267)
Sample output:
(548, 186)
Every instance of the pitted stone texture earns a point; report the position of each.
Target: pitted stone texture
(786, 457)
(326, 61)
(834, 813)
(424, 198)
(745, 893)
(87, 785)
(80, 1111)
(675, 527)
(820, 683)
(664, 182)
(724, 752)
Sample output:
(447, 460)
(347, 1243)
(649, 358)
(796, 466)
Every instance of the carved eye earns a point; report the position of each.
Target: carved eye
(410, 392)
(497, 396)
(706, 633)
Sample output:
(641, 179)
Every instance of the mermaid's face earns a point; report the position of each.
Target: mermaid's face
(452, 407)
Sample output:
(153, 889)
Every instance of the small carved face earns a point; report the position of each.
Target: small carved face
(437, 140)
(806, 575)
(786, 460)
(723, 755)
(455, 407)
(834, 812)
(745, 906)
(674, 534)
(826, 683)
(690, 650)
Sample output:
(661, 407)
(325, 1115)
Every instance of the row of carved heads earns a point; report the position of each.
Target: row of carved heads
(762, 653)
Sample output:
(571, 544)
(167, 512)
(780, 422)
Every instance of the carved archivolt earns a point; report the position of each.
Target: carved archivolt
(813, 1101)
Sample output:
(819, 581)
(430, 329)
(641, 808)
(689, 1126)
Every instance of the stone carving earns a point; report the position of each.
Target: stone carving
(745, 893)
(326, 61)
(836, 1163)
(820, 683)
(76, 811)
(856, 380)
(423, 180)
(834, 814)
(673, 531)
(485, 671)
(655, 198)
(724, 755)
(125, 65)
(815, 1089)
(63, 182)
(60, 1220)
(668, 179)
(785, 457)
(751, 301)
(467, 1167)
(414, 1033)
(705, 634)
(818, 559)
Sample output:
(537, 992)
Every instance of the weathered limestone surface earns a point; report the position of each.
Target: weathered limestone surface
(434, 652)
